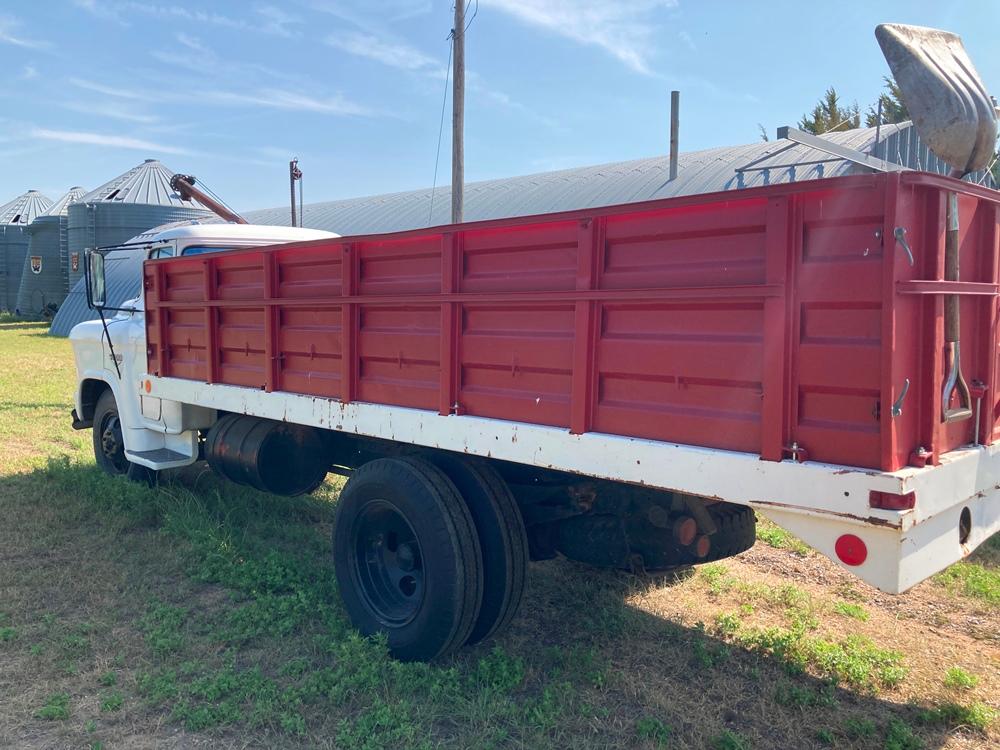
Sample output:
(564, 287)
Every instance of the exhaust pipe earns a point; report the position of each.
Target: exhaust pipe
(276, 457)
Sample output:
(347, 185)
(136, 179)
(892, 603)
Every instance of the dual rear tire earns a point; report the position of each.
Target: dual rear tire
(434, 555)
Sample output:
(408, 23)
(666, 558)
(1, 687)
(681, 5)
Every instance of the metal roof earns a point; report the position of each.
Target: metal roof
(707, 171)
(24, 208)
(61, 206)
(147, 183)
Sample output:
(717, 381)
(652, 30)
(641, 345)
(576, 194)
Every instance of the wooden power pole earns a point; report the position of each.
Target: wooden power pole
(458, 116)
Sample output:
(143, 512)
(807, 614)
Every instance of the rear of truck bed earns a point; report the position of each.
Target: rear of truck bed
(777, 347)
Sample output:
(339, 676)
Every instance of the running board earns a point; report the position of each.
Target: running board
(160, 458)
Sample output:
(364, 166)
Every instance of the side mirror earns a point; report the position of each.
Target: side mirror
(96, 287)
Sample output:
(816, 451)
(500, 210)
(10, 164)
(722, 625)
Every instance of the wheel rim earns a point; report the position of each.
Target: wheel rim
(388, 563)
(112, 444)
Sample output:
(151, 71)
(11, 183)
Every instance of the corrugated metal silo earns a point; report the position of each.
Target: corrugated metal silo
(46, 265)
(117, 211)
(15, 217)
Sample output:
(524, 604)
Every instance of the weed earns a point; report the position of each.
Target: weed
(717, 577)
(848, 609)
(858, 728)
(112, 702)
(729, 740)
(791, 694)
(90, 726)
(652, 729)
(727, 623)
(36, 649)
(709, 654)
(56, 708)
(162, 625)
(976, 716)
(825, 736)
(957, 678)
(108, 679)
(972, 580)
(498, 672)
(7, 634)
(899, 736)
(854, 659)
(775, 536)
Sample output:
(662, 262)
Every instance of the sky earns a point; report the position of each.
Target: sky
(230, 91)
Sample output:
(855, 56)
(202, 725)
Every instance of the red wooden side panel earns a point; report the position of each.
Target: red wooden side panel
(761, 320)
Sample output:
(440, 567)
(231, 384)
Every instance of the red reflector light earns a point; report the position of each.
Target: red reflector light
(851, 549)
(889, 501)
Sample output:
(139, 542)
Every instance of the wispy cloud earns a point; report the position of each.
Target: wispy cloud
(278, 22)
(28, 73)
(288, 100)
(623, 28)
(10, 35)
(266, 19)
(394, 54)
(115, 91)
(111, 110)
(102, 139)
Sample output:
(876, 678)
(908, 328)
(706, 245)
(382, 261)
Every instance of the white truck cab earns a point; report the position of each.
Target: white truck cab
(136, 432)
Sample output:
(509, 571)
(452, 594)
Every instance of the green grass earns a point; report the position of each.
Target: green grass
(957, 678)
(848, 609)
(972, 580)
(977, 716)
(56, 708)
(775, 536)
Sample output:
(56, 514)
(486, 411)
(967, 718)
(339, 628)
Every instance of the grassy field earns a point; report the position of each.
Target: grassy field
(202, 615)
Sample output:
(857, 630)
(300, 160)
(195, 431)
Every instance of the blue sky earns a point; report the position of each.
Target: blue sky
(229, 91)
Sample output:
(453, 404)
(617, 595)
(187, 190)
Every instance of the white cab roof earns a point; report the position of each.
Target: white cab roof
(240, 233)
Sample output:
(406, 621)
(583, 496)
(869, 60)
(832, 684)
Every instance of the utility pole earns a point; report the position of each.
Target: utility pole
(458, 115)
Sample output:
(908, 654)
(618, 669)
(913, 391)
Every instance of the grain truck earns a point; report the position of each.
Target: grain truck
(623, 386)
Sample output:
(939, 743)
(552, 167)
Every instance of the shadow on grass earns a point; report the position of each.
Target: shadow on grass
(247, 641)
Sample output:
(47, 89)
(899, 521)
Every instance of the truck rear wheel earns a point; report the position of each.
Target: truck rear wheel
(407, 558)
(502, 539)
(109, 444)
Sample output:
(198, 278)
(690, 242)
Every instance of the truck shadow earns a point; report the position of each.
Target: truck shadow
(580, 634)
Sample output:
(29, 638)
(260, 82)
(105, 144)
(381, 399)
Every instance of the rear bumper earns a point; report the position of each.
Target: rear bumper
(963, 492)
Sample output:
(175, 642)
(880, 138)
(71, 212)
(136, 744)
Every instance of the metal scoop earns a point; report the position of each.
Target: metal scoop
(956, 118)
(950, 107)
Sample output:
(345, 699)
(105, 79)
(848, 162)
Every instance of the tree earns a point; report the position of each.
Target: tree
(893, 108)
(828, 116)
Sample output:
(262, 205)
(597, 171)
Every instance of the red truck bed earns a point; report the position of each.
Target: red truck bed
(747, 320)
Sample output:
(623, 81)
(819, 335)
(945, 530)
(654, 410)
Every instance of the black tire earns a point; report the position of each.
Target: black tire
(407, 558)
(502, 539)
(109, 446)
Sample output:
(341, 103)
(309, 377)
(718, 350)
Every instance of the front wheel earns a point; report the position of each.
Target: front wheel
(109, 443)
(407, 558)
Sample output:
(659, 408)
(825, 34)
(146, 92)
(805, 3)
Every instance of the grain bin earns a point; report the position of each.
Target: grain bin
(44, 277)
(15, 217)
(117, 211)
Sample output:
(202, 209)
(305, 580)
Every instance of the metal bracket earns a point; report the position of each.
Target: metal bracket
(897, 406)
(900, 234)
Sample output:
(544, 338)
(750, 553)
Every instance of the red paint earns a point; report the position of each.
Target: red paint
(851, 550)
(749, 320)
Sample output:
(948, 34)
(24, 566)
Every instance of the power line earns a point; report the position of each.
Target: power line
(444, 101)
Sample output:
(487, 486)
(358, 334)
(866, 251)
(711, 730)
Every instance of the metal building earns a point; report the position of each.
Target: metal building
(711, 170)
(44, 278)
(122, 208)
(707, 171)
(15, 217)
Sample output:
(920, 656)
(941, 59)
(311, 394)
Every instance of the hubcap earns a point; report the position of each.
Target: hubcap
(388, 564)
(112, 445)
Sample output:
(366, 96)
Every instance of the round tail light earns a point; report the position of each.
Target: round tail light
(851, 549)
